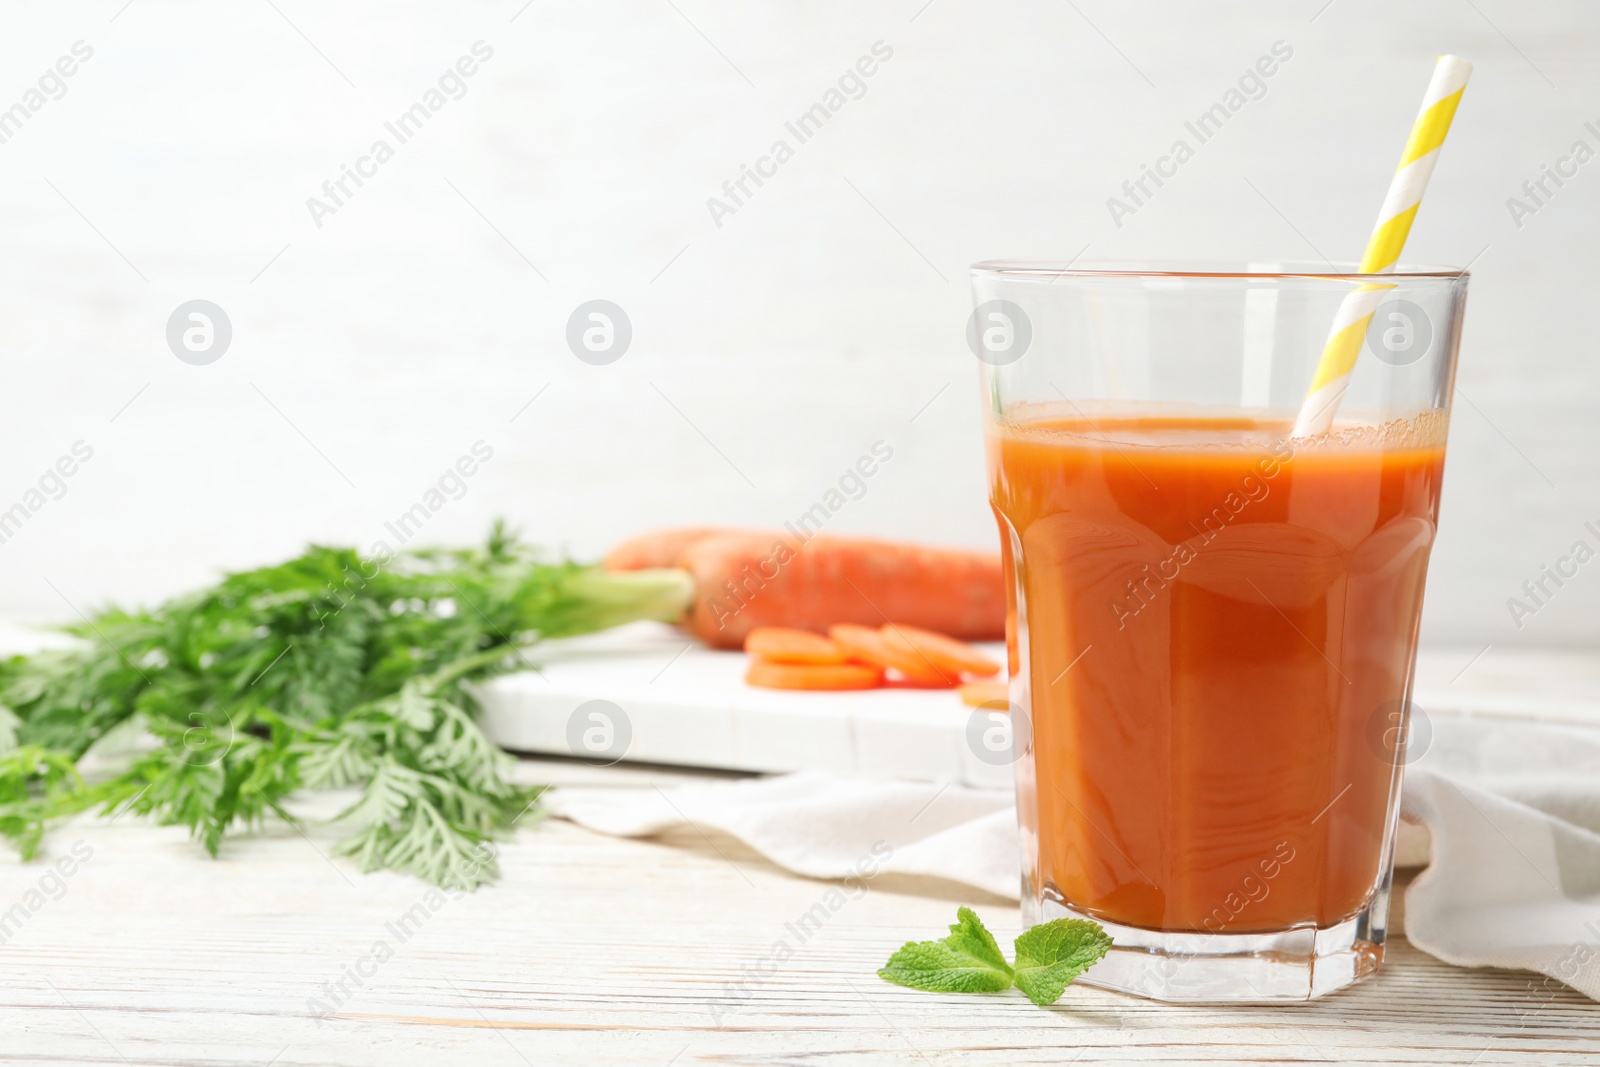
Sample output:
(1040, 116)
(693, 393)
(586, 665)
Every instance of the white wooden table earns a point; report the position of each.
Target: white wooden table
(596, 950)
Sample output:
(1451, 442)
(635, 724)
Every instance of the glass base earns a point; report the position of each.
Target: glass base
(1288, 965)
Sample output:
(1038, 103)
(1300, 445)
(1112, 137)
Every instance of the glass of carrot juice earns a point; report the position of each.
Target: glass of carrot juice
(1215, 619)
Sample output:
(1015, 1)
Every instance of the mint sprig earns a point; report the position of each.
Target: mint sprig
(1049, 957)
(968, 961)
(1052, 954)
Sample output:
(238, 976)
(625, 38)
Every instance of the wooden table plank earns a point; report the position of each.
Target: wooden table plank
(597, 950)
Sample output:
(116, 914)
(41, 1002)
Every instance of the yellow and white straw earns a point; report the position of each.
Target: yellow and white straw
(1383, 248)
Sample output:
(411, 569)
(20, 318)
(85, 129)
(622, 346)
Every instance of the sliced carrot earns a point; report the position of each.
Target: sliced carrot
(779, 644)
(812, 675)
(896, 680)
(946, 653)
(977, 694)
(860, 643)
(866, 645)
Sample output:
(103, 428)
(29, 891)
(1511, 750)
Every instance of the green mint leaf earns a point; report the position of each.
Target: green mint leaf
(1052, 954)
(968, 961)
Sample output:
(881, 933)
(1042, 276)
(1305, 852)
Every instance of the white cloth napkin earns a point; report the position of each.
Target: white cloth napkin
(823, 826)
(1511, 809)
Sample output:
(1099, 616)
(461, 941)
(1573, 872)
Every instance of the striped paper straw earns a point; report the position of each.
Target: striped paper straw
(1383, 248)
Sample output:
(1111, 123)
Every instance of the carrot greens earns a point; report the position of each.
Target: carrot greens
(327, 670)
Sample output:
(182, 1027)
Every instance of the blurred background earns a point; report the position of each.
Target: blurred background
(777, 334)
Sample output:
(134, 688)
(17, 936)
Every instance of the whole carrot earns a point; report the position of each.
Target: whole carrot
(659, 548)
(748, 579)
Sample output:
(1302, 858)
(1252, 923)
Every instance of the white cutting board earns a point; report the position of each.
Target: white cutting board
(649, 693)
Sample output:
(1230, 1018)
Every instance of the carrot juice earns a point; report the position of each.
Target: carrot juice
(1209, 618)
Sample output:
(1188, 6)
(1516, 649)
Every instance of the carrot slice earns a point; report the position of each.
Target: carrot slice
(977, 694)
(866, 645)
(860, 643)
(779, 644)
(945, 653)
(813, 675)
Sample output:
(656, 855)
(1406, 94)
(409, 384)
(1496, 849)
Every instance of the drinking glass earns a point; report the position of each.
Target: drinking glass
(1213, 621)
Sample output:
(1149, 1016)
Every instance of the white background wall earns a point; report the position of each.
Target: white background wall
(768, 353)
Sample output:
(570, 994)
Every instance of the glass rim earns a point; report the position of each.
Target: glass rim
(1201, 269)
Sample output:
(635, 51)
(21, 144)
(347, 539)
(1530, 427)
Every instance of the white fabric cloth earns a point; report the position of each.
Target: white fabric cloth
(1513, 812)
(1510, 809)
(827, 827)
